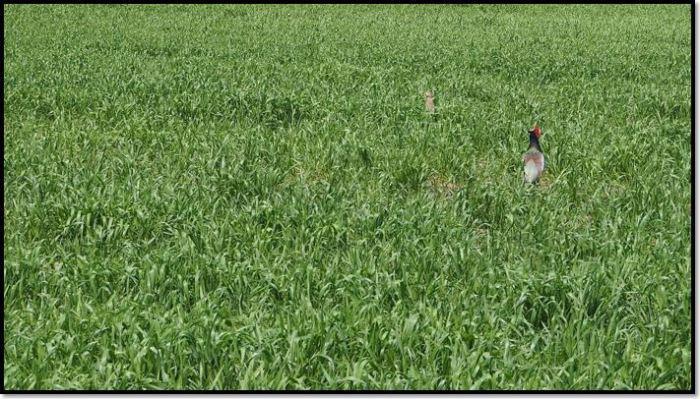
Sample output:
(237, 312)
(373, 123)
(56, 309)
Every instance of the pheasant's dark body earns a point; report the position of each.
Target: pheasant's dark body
(533, 159)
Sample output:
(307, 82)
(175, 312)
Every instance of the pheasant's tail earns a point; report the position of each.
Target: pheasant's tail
(532, 172)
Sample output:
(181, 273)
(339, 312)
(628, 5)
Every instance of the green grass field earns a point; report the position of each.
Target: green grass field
(252, 197)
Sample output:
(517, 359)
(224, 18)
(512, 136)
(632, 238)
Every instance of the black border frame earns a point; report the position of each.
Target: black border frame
(691, 391)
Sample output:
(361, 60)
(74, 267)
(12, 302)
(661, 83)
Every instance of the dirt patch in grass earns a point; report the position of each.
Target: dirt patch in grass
(441, 185)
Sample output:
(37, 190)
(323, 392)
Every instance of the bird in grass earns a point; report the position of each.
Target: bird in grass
(533, 159)
(429, 102)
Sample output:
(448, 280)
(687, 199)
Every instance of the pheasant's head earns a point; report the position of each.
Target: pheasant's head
(536, 131)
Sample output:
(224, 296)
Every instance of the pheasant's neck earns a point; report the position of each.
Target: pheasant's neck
(534, 142)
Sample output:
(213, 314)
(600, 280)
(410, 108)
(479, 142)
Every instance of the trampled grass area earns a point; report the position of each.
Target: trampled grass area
(229, 197)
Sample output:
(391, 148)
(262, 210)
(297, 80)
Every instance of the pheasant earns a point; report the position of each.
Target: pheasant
(533, 159)
(429, 102)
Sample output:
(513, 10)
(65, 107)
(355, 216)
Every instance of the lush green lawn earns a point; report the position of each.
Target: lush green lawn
(253, 197)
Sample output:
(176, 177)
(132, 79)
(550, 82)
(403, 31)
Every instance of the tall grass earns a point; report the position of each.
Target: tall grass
(252, 197)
